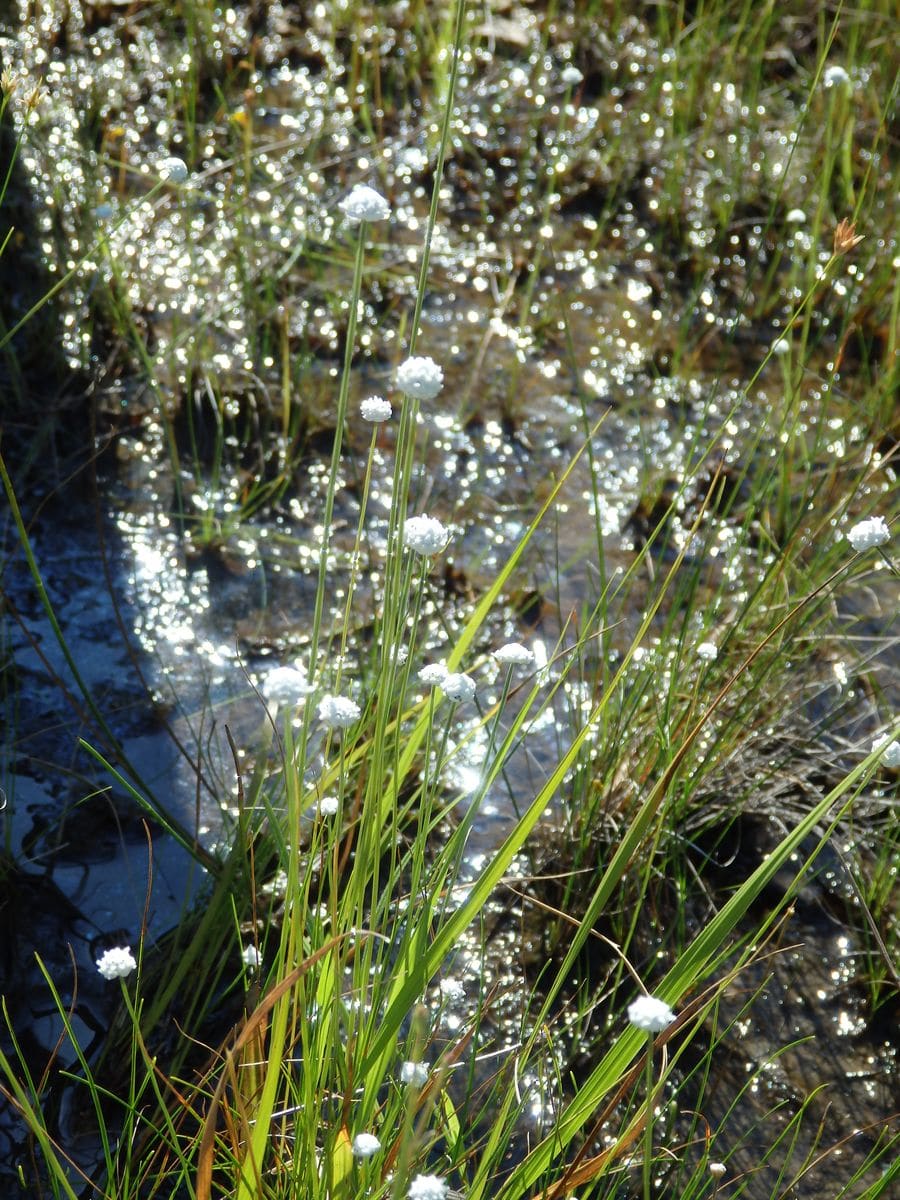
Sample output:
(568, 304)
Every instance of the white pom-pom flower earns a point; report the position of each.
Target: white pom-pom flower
(458, 687)
(433, 674)
(365, 1145)
(427, 1187)
(871, 532)
(117, 963)
(414, 1073)
(571, 76)
(338, 712)
(420, 377)
(513, 654)
(363, 203)
(285, 685)
(375, 409)
(708, 651)
(835, 76)
(650, 1014)
(425, 535)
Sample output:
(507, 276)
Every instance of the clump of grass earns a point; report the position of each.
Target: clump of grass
(344, 931)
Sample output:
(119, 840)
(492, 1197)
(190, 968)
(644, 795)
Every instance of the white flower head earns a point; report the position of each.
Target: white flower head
(285, 685)
(365, 1145)
(571, 76)
(796, 217)
(513, 654)
(116, 963)
(835, 76)
(173, 170)
(458, 686)
(782, 346)
(363, 203)
(414, 1073)
(708, 651)
(412, 159)
(433, 674)
(251, 957)
(650, 1014)
(717, 1169)
(338, 712)
(329, 805)
(375, 409)
(420, 377)
(890, 754)
(871, 532)
(425, 535)
(452, 991)
(427, 1187)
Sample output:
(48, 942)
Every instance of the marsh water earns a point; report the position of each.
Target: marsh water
(552, 305)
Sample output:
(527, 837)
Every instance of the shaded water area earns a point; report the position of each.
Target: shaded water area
(568, 300)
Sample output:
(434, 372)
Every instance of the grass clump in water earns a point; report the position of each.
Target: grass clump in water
(382, 992)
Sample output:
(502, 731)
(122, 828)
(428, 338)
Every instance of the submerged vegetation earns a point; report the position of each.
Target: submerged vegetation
(449, 600)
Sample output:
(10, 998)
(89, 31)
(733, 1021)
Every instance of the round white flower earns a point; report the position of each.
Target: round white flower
(375, 409)
(452, 991)
(420, 377)
(708, 650)
(338, 712)
(650, 1014)
(328, 806)
(425, 535)
(412, 159)
(796, 217)
(433, 674)
(717, 1169)
(427, 1187)
(173, 170)
(835, 77)
(458, 687)
(514, 654)
(414, 1073)
(571, 76)
(782, 346)
(285, 685)
(871, 532)
(365, 1145)
(363, 203)
(116, 963)
(890, 756)
(251, 957)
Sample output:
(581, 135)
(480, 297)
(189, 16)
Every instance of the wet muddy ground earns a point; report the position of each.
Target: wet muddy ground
(181, 562)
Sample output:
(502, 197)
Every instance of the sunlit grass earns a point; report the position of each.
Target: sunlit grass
(339, 977)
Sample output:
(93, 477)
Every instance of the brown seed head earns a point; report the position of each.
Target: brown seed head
(8, 81)
(846, 237)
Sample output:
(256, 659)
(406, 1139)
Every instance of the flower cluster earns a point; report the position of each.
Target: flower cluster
(285, 685)
(414, 1073)
(338, 712)
(375, 409)
(513, 654)
(871, 532)
(458, 686)
(425, 535)
(365, 1145)
(427, 1187)
(420, 377)
(650, 1014)
(117, 963)
(251, 957)
(363, 203)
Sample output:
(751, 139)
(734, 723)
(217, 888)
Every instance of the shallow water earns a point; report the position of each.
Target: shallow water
(553, 303)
